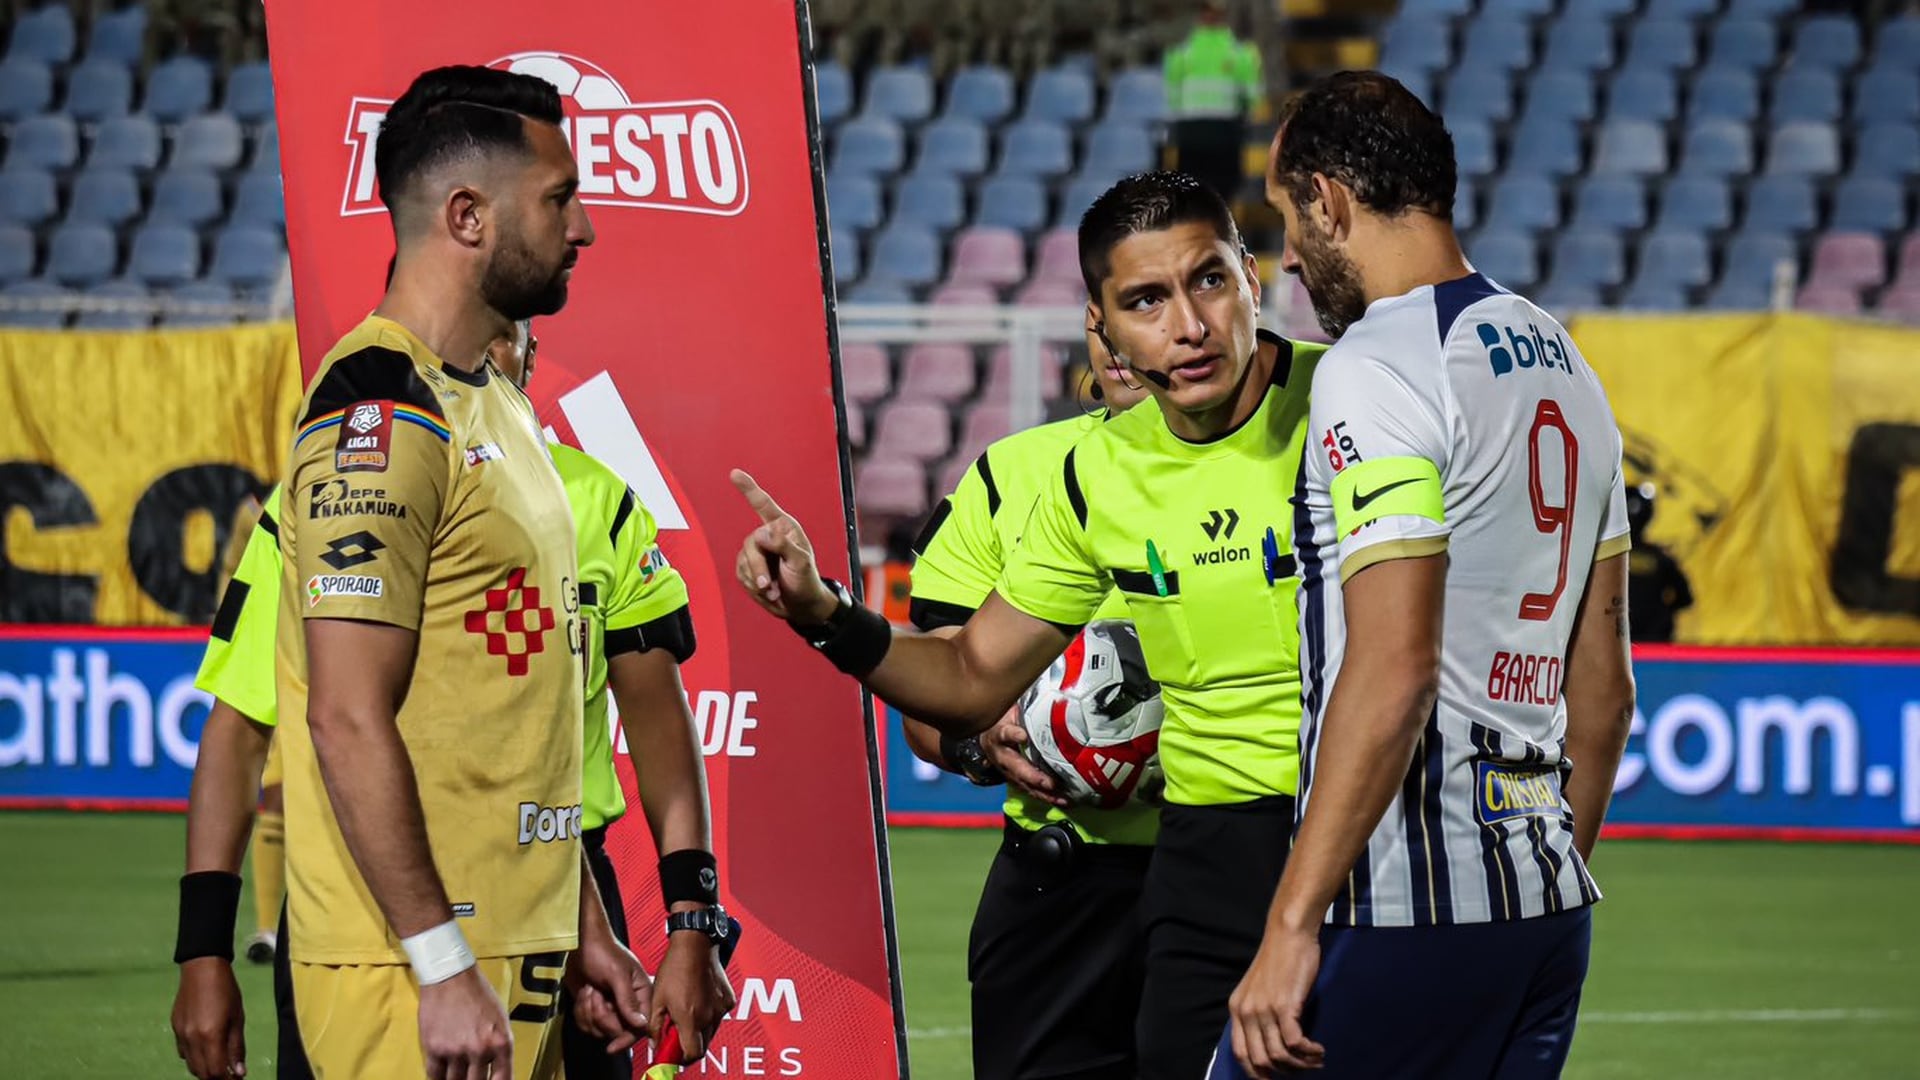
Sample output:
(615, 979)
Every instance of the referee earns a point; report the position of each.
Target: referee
(1182, 505)
(1055, 956)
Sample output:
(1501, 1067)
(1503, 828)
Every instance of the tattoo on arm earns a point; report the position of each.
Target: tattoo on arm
(1617, 615)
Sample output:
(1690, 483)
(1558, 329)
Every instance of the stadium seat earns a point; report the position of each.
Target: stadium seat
(1889, 150)
(1565, 94)
(266, 150)
(1552, 148)
(1680, 9)
(1610, 202)
(48, 318)
(1081, 191)
(1062, 95)
(1416, 43)
(856, 426)
(963, 294)
(1477, 94)
(165, 255)
(1717, 148)
(1831, 41)
(1753, 258)
(989, 256)
(1742, 45)
(28, 196)
(202, 293)
(844, 245)
(1761, 9)
(1579, 44)
(1676, 257)
(1599, 9)
(1781, 204)
(179, 88)
(16, 252)
(1857, 260)
(1897, 44)
(1644, 94)
(259, 201)
(1466, 205)
(1804, 149)
(853, 201)
(1138, 95)
(1447, 9)
(930, 200)
(1630, 148)
(1524, 201)
(999, 386)
(209, 141)
(833, 92)
(1868, 203)
(889, 489)
(119, 36)
(1418, 83)
(1739, 296)
(1473, 148)
(1118, 149)
(104, 196)
(1563, 301)
(903, 94)
(1493, 43)
(1901, 304)
(1695, 203)
(1724, 94)
(116, 320)
(879, 290)
(45, 34)
(1057, 257)
(913, 430)
(47, 141)
(1886, 95)
(250, 93)
(942, 373)
(186, 196)
(26, 88)
(98, 89)
(82, 254)
(1523, 9)
(907, 255)
(1808, 94)
(1057, 294)
(984, 94)
(126, 142)
(1828, 299)
(866, 374)
(869, 144)
(1013, 202)
(1908, 270)
(1510, 258)
(1660, 45)
(953, 145)
(250, 260)
(1589, 257)
(1654, 295)
(1035, 148)
(984, 424)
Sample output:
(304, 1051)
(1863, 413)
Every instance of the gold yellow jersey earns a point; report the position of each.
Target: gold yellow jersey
(422, 496)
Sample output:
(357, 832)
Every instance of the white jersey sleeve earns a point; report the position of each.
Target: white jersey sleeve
(1616, 535)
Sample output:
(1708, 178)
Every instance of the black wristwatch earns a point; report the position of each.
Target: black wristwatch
(710, 921)
(818, 634)
(970, 760)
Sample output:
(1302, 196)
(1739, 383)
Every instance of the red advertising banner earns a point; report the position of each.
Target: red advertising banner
(698, 337)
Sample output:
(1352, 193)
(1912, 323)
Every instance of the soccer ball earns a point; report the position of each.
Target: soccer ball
(1093, 720)
(586, 85)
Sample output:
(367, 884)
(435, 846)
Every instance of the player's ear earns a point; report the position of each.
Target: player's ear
(1332, 206)
(465, 216)
(1252, 267)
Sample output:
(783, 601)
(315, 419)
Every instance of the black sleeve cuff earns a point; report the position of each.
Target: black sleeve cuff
(930, 615)
(672, 632)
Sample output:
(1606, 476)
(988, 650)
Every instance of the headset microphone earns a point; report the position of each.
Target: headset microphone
(1156, 378)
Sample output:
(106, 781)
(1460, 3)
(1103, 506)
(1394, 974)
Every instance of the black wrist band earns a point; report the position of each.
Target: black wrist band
(854, 639)
(690, 875)
(209, 903)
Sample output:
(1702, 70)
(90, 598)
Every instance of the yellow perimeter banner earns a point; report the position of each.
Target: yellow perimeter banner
(124, 458)
(1780, 457)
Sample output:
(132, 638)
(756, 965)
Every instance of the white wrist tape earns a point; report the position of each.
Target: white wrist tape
(438, 954)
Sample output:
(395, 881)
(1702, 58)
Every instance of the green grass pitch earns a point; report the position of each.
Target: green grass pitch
(1710, 959)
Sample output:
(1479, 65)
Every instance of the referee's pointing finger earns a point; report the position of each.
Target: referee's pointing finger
(757, 498)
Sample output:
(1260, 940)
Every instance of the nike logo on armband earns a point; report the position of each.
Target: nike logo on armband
(1360, 501)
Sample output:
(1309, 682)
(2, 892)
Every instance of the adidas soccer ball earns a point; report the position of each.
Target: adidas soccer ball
(1093, 720)
(589, 87)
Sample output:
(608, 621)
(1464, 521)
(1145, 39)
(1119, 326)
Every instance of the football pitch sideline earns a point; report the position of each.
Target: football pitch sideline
(1710, 959)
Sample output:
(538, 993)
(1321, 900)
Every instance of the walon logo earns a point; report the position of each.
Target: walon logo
(1217, 522)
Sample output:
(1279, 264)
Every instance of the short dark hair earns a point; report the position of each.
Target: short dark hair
(451, 112)
(1147, 202)
(1372, 134)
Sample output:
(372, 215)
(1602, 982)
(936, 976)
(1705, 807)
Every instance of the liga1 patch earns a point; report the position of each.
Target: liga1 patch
(366, 586)
(1367, 491)
(1502, 792)
(366, 432)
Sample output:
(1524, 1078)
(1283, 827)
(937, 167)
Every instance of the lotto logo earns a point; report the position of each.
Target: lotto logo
(365, 418)
(513, 622)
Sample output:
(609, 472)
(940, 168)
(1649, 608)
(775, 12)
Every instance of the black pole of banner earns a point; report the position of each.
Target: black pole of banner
(816, 151)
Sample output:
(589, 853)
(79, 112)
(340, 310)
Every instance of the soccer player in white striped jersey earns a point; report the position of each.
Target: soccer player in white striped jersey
(1466, 685)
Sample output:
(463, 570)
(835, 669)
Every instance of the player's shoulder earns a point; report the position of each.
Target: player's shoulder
(1040, 447)
(1403, 339)
(376, 361)
(599, 497)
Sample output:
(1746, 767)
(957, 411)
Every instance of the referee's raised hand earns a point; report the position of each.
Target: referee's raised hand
(776, 561)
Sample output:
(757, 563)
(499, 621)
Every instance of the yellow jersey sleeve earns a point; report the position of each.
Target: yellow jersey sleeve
(1052, 574)
(374, 475)
(238, 665)
(649, 605)
(960, 554)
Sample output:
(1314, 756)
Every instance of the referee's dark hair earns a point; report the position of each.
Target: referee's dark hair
(450, 113)
(1372, 134)
(1147, 202)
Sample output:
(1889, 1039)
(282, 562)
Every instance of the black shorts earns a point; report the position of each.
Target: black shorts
(1214, 872)
(586, 1056)
(293, 1064)
(1055, 960)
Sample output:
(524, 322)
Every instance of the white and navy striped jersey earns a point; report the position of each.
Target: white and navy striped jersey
(1460, 418)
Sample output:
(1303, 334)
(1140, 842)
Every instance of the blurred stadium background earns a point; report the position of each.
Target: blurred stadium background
(1717, 195)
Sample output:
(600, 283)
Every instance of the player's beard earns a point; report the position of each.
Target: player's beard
(518, 286)
(1331, 280)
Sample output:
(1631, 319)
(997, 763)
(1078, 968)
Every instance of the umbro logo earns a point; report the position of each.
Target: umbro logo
(1220, 526)
(353, 549)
